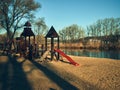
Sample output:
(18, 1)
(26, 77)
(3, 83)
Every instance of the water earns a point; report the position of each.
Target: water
(94, 53)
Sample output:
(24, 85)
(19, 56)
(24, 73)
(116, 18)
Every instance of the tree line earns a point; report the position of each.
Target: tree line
(71, 33)
(104, 27)
(104, 34)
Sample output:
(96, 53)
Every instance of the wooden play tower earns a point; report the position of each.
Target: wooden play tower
(52, 34)
(28, 33)
(26, 36)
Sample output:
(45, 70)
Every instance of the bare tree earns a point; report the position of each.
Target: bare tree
(40, 29)
(105, 27)
(63, 35)
(71, 33)
(12, 12)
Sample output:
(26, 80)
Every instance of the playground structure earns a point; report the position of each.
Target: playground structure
(53, 34)
(25, 45)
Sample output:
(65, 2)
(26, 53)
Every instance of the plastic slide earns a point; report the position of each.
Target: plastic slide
(67, 57)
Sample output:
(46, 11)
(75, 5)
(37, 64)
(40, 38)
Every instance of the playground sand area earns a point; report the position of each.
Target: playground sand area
(91, 74)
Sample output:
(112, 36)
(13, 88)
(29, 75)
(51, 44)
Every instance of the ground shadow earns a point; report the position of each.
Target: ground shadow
(65, 61)
(4, 75)
(12, 76)
(55, 78)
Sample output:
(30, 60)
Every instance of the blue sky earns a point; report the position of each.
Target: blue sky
(62, 13)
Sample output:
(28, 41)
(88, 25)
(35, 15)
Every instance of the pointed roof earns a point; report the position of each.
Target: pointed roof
(52, 33)
(27, 32)
(27, 23)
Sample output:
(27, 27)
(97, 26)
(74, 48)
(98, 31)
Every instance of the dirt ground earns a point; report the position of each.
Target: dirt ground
(91, 74)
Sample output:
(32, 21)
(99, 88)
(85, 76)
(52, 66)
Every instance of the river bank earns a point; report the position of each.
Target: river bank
(90, 45)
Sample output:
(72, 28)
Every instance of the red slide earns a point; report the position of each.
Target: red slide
(67, 57)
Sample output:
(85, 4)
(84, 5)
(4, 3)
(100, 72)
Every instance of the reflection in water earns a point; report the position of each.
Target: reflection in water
(94, 53)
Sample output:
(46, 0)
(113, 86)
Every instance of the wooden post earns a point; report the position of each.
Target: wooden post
(29, 40)
(52, 48)
(45, 43)
(58, 57)
(25, 42)
(34, 40)
(35, 47)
